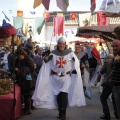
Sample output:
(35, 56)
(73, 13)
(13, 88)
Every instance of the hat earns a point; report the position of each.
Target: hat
(61, 39)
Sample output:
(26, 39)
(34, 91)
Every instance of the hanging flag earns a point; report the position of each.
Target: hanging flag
(39, 22)
(111, 3)
(103, 5)
(58, 25)
(18, 22)
(84, 19)
(73, 16)
(93, 5)
(107, 4)
(46, 15)
(32, 12)
(101, 19)
(63, 4)
(37, 3)
(46, 4)
(19, 13)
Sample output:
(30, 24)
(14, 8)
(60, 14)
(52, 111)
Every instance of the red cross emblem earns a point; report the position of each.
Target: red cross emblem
(61, 62)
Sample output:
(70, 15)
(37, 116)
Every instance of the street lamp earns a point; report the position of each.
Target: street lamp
(30, 31)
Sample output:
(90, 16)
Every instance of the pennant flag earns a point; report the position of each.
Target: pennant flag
(111, 3)
(93, 5)
(63, 4)
(46, 4)
(18, 22)
(46, 15)
(32, 12)
(101, 19)
(108, 3)
(19, 13)
(58, 25)
(37, 3)
(103, 5)
(39, 22)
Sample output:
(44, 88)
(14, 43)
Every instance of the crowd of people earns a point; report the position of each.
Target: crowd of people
(62, 77)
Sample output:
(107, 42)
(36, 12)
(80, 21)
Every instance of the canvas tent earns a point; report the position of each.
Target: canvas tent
(103, 32)
(113, 11)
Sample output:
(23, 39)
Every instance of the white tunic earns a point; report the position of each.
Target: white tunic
(48, 86)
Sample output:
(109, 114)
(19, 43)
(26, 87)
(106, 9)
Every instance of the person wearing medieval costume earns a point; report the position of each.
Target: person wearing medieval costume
(94, 62)
(84, 68)
(59, 82)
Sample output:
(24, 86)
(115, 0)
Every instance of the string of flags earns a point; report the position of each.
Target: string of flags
(62, 4)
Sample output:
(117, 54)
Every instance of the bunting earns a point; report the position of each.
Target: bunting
(37, 3)
(18, 22)
(46, 15)
(19, 13)
(93, 5)
(46, 4)
(58, 25)
(63, 4)
(101, 19)
(107, 4)
(39, 22)
(84, 19)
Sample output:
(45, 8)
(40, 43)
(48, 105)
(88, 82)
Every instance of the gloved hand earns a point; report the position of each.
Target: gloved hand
(74, 72)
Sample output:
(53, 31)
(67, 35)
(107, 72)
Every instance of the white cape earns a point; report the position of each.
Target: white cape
(44, 96)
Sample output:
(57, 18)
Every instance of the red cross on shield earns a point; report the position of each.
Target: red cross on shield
(61, 62)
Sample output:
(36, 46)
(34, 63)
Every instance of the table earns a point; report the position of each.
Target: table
(7, 111)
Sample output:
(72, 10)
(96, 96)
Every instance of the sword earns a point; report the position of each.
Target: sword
(6, 16)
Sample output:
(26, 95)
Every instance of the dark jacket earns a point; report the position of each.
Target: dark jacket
(106, 69)
(38, 61)
(11, 62)
(26, 67)
(115, 77)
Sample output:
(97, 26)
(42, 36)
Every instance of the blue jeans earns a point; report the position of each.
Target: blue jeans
(116, 93)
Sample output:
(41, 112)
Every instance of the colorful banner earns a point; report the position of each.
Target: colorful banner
(46, 15)
(107, 4)
(46, 4)
(63, 4)
(18, 22)
(73, 16)
(58, 25)
(37, 3)
(39, 22)
(93, 5)
(84, 19)
(19, 13)
(101, 19)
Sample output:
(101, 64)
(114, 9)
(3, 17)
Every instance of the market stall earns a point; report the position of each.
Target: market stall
(10, 103)
(103, 32)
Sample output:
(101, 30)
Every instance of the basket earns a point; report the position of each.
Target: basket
(5, 86)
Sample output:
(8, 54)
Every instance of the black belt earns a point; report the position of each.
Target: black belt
(55, 73)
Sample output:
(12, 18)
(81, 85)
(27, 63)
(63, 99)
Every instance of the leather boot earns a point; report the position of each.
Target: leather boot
(59, 102)
(60, 114)
(27, 110)
(105, 117)
(63, 117)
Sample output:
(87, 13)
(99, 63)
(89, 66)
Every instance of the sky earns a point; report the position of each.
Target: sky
(9, 7)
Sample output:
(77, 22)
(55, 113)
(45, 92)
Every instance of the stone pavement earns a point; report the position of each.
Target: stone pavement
(92, 111)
